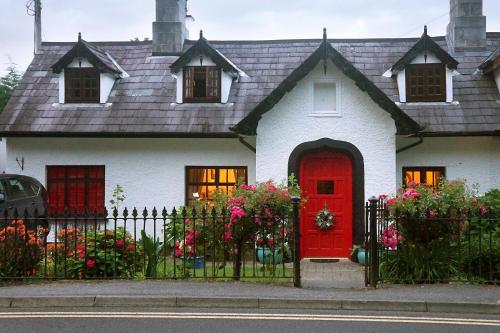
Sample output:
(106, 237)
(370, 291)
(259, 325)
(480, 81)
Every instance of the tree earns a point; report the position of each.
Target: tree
(8, 83)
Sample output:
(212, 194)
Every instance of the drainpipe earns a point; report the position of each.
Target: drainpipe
(419, 142)
(246, 144)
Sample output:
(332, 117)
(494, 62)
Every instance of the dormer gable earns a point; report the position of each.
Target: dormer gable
(425, 73)
(204, 74)
(491, 66)
(87, 74)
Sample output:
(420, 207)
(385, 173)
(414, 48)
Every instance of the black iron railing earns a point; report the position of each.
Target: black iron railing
(404, 249)
(147, 244)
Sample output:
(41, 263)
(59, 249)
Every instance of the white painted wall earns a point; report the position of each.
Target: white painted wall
(151, 171)
(431, 59)
(497, 78)
(225, 86)
(106, 83)
(476, 159)
(362, 123)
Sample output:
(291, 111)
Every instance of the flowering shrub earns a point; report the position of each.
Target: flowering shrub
(257, 213)
(21, 249)
(96, 253)
(431, 227)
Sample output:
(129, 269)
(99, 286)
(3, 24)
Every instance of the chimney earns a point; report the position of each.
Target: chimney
(169, 29)
(38, 25)
(467, 27)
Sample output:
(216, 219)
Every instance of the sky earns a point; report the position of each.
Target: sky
(105, 20)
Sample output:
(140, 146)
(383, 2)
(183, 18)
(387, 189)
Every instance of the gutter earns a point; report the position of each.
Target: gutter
(246, 144)
(419, 142)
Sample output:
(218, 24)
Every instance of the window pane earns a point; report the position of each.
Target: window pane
(200, 82)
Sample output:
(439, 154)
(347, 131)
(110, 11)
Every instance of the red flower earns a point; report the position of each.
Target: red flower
(120, 242)
(90, 263)
(131, 248)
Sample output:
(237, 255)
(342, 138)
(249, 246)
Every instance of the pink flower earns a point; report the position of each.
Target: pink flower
(120, 242)
(81, 255)
(270, 186)
(237, 213)
(90, 263)
(411, 193)
(482, 210)
(227, 236)
(130, 248)
(432, 213)
(178, 252)
(248, 187)
(382, 196)
(391, 201)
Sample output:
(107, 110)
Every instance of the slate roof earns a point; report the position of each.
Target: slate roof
(144, 103)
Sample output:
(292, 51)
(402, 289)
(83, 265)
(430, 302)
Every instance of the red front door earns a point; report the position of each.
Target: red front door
(326, 180)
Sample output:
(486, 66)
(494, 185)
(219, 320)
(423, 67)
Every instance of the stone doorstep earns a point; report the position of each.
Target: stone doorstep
(343, 274)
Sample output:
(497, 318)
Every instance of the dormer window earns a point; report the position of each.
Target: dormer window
(426, 83)
(82, 85)
(202, 84)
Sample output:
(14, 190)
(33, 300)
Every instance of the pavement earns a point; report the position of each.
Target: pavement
(442, 298)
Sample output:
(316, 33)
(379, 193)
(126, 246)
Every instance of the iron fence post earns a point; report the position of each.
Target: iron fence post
(373, 257)
(296, 242)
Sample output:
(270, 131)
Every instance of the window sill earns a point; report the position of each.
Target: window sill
(428, 103)
(85, 105)
(321, 114)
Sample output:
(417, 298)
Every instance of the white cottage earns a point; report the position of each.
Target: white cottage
(173, 119)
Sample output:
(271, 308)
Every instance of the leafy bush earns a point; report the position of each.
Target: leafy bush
(428, 227)
(96, 254)
(21, 249)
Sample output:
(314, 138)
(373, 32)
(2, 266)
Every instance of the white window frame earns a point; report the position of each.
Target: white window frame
(338, 90)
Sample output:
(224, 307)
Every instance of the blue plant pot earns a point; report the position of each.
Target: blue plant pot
(362, 256)
(198, 262)
(265, 256)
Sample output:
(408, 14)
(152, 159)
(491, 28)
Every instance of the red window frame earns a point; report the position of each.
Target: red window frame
(76, 188)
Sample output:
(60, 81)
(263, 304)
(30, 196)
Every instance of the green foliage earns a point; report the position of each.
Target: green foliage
(491, 200)
(93, 254)
(419, 263)
(152, 251)
(8, 83)
(118, 197)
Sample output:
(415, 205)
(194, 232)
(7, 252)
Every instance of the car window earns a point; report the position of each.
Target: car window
(19, 189)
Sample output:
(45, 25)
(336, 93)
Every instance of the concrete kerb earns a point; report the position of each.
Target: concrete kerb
(249, 303)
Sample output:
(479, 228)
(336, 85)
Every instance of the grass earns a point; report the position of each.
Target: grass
(250, 272)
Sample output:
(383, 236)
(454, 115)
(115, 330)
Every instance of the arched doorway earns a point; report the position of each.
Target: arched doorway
(313, 163)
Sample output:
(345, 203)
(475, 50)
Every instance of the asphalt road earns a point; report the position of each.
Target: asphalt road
(236, 320)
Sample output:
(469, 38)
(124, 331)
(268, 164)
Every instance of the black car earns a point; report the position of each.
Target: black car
(21, 193)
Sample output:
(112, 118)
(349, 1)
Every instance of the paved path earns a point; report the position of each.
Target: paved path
(432, 298)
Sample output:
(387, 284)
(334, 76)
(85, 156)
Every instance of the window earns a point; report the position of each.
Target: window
(426, 83)
(21, 189)
(201, 182)
(202, 84)
(423, 175)
(76, 188)
(82, 85)
(325, 96)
